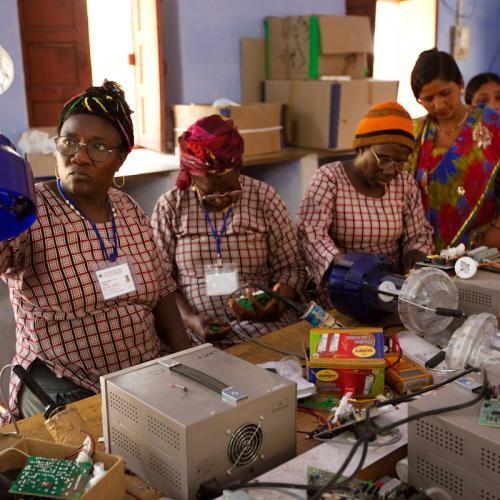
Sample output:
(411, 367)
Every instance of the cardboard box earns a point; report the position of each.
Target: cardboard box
(42, 165)
(353, 347)
(325, 114)
(365, 382)
(111, 485)
(343, 359)
(258, 123)
(253, 69)
(307, 47)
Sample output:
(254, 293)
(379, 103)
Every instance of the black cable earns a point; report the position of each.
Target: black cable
(245, 336)
(440, 311)
(363, 440)
(437, 411)
(370, 432)
(407, 397)
(288, 486)
(394, 363)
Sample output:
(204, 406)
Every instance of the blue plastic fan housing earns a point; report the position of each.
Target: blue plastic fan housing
(17, 192)
(353, 285)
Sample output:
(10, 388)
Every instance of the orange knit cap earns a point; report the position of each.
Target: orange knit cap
(385, 123)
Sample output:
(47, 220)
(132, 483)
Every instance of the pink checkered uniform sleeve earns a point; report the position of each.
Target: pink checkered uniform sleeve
(260, 240)
(335, 218)
(314, 219)
(285, 262)
(61, 315)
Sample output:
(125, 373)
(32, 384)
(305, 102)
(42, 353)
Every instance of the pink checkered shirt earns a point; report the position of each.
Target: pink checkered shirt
(260, 239)
(61, 315)
(334, 218)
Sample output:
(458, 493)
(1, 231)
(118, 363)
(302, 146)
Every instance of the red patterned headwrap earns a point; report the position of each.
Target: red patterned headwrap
(210, 144)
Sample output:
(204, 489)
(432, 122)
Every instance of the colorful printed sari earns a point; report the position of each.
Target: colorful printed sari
(458, 186)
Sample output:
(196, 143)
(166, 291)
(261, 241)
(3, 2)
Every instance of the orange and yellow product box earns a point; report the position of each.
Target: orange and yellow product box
(347, 359)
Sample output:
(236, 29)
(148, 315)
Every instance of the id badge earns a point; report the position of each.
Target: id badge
(115, 278)
(221, 279)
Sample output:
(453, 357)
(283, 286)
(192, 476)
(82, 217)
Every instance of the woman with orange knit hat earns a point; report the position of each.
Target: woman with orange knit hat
(370, 204)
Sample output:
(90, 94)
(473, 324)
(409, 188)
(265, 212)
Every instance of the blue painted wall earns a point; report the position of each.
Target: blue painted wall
(483, 17)
(13, 108)
(201, 41)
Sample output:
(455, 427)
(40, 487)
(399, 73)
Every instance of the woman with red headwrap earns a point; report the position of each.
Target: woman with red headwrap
(221, 230)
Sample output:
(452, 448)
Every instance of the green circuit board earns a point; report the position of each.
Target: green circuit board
(260, 296)
(490, 413)
(51, 477)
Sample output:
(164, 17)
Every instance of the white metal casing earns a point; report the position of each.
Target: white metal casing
(451, 450)
(481, 293)
(178, 439)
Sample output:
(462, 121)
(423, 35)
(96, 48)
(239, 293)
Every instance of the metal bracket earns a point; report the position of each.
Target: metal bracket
(169, 363)
(232, 395)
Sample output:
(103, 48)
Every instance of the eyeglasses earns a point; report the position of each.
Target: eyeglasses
(97, 150)
(231, 194)
(386, 164)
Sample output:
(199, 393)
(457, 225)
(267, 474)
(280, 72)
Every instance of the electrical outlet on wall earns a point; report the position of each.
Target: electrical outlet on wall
(460, 41)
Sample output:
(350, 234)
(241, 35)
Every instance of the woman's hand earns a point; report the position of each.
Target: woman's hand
(207, 327)
(411, 258)
(271, 311)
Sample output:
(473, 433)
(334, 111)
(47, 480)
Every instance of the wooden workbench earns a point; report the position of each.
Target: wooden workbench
(293, 339)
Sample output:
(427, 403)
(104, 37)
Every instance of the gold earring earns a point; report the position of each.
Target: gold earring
(56, 172)
(119, 185)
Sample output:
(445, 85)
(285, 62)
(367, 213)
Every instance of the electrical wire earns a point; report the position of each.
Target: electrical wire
(319, 417)
(413, 395)
(332, 482)
(437, 411)
(395, 437)
(12, 416)
(14, 449)
(246, 336)
(370, 432)
(440, 311)
(456, 13)
(400, 353)
(258, 342)
(403, 299)
(367, 434)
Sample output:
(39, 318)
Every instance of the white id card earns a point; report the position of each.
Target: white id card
(115, 280)
(221, 279)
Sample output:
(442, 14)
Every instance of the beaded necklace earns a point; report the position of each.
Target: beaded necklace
(449, 131)
(114, 254)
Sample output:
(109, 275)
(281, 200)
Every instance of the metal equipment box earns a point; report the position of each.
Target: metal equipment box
(452, 450)
(480, 293)
(179, 433)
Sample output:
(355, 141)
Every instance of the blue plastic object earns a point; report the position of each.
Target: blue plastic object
(17, 192)
(353, 285)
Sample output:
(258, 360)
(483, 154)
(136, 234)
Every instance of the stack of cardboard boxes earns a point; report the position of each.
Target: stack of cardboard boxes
(258, 123)
(342, 361)
(317, 67)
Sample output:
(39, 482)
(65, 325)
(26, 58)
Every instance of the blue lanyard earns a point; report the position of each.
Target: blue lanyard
(217, 237)
(114, 253)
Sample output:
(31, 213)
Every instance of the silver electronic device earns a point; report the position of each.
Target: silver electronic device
(452, 450)
(478, 294)
(198, 417)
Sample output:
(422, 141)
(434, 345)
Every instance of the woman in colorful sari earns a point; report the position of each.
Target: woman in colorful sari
(456, 160)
